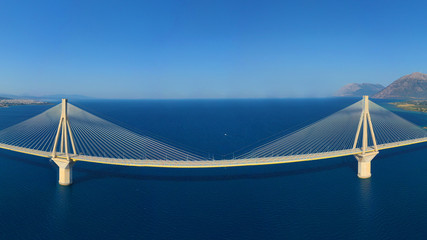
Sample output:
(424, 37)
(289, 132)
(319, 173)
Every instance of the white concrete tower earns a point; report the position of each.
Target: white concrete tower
(62, 157)
(364, 159)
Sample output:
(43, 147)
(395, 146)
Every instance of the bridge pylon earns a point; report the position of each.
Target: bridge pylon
(368, 153)
(61, 147)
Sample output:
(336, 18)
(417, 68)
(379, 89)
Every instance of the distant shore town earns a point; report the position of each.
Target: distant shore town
(15, 102)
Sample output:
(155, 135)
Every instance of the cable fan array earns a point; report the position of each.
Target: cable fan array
(93, 136)
(37, 133)
(337, 133)
(390, 128)
(101, 141)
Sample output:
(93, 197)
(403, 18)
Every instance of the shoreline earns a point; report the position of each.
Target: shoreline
(419, 106)
(4, 103)
(412, 105)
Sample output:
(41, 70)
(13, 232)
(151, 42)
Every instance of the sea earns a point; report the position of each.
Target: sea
(308, 200)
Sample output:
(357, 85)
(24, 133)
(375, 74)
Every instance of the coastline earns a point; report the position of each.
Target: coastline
(419, 106)
(412, 105)
(4, 103)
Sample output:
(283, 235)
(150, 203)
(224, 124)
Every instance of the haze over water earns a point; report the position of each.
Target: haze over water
(319, 199)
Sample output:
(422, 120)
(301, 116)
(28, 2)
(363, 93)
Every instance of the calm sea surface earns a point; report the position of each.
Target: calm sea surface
(319, 199)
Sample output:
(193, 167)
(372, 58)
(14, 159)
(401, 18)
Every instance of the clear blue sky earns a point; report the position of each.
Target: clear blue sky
(207, 49)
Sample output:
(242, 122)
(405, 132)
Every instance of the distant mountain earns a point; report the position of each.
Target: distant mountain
(359, 89)
(412, 86)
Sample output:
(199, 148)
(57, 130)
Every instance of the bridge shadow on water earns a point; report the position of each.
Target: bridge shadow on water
(84, 172)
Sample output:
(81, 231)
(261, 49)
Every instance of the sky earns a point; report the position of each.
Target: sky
(207, 49)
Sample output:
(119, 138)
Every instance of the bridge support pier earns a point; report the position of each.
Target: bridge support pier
(65, 171)
(364, 164)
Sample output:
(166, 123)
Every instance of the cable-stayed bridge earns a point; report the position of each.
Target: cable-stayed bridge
(68, 134)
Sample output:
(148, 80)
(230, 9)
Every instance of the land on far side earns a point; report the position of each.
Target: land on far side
(7, 102)
(413, 105)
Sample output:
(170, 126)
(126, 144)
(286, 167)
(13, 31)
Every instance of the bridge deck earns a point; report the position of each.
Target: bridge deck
(215, 163)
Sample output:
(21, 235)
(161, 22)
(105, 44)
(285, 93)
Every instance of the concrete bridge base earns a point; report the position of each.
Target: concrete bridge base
(65, 171)
(364, 164)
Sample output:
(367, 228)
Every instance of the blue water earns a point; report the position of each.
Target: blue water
(319, 199)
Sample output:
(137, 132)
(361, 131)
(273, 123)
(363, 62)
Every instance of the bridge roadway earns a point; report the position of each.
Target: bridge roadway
(214, 163)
